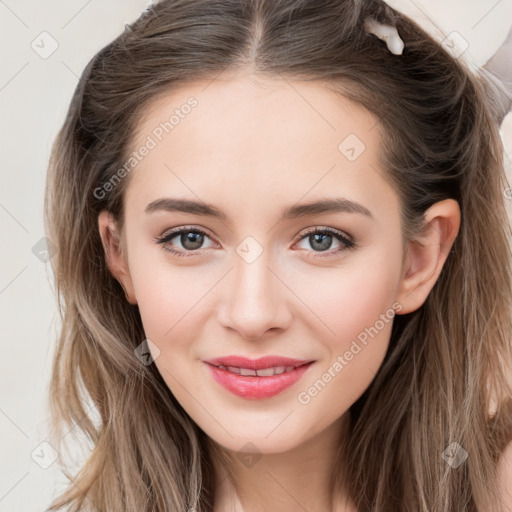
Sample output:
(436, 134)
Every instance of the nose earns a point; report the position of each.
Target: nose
(256, 300)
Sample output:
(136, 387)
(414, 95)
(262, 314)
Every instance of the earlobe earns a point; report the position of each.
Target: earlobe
(427, 255)
(114, 256)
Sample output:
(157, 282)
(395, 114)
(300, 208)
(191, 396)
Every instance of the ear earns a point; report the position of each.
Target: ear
(427, 254)
(115, 254)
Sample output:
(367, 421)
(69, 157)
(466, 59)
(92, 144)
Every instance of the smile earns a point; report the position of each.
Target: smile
(267, 372)
(256, 384)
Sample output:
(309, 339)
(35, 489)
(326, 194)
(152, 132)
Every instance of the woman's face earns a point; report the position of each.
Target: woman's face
(258, 283)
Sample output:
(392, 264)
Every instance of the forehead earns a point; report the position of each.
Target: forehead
(248, 108)
(243, 137)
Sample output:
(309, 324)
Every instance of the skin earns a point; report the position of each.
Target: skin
(253, 147)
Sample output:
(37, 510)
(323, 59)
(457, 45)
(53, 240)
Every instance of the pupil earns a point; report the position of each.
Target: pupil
(194, 238)
(322, 238)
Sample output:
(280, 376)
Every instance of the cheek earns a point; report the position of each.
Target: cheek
(171, 299)
(344, 312)
(165, 291)
(347, 299)
(354, 315)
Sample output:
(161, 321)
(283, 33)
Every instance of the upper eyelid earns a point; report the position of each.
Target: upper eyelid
(333, 231)
(184, 229)
(317, 228)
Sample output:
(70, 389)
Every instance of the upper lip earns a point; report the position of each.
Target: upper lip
(257, 364)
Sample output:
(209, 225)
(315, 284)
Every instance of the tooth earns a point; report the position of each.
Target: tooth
(247, 371)
(267, 372)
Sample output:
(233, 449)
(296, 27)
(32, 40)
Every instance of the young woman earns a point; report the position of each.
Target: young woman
(283, 267)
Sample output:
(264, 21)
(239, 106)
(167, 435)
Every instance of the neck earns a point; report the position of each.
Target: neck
(298, 479)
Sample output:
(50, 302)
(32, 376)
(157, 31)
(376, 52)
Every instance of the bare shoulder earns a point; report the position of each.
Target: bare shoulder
(505, 477)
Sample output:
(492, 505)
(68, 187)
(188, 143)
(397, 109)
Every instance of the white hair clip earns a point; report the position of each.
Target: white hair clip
(145, 12)
(387, 33)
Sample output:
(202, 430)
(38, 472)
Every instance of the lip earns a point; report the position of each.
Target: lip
(254, 387)
(256, 364)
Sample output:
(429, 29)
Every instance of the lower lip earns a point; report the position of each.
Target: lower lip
(254, 387)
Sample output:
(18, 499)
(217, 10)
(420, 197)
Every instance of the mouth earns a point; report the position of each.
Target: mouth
(262, 363)
(260, 378)
(264, 372)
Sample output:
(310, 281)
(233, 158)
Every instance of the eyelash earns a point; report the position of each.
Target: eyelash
(348, 242)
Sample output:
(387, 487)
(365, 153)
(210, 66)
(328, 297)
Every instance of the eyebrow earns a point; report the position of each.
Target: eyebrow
(328, 205)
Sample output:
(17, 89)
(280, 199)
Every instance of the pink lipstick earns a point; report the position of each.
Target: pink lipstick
(257, 378)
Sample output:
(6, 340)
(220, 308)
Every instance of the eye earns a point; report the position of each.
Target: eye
(321, 241)
(191, 239)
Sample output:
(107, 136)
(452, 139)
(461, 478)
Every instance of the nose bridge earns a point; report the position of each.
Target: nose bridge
(255, 300)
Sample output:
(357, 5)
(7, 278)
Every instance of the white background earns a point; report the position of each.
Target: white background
(34, 97)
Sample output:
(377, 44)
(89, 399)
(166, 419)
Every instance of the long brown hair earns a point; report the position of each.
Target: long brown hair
(444, 378)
